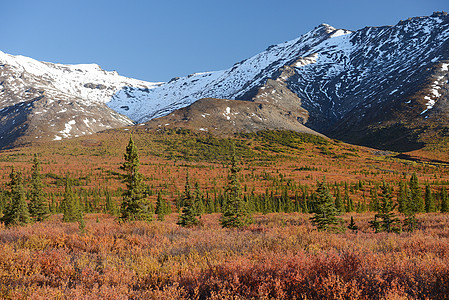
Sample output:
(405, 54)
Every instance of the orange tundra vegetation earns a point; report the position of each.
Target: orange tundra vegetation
(280, 255)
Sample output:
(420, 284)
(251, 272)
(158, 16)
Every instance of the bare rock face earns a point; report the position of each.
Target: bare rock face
(224, 117)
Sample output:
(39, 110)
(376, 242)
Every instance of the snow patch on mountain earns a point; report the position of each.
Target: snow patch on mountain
(87, 82)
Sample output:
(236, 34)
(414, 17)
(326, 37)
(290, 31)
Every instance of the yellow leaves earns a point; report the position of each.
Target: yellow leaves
(35, 242)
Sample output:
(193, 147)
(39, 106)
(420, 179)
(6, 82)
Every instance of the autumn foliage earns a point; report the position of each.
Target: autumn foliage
(279, 256)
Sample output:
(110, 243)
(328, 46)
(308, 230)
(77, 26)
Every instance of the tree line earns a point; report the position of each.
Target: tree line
(235, 204)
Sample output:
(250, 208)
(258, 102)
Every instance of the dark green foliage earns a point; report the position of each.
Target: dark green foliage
(410, 222)
(71, 208)
(135, 205)
(375, 224)
(444, 200)
(352, 225)
(4, 201)
(429, 200)
(235, 212)
(81, 223)
(286, 202)
(325, 211)
(349, 205)
(162, 207)
(403, 197)
(187, 145)
(16, 213)
(374, 200)
(339, 204)
(414, 204)
(416, 201)
(39, 208)
(198, 198)
(110, 205)
(188, 217)
(160, 211)
(385, 219)
(286, 138)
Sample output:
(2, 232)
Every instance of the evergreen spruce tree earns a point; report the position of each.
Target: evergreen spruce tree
(209, 205)
(325, 211)
(110, 205)
(81, 223)
(444, 200)
(374, 200)
(70, 204)
(235, 213)
(188, 217)
(16, 213)
(51, 204)
(161, 207)
(288, 204)
(414, 204)
(403, 197)
(385, 219)
(416, 200)
(339, 204)
(304, 202)
(375, 224)
(167, 206)
(198, 199)
(349, 205)
(135, 205)
(429, 200)
(39, 208)
(352, 225)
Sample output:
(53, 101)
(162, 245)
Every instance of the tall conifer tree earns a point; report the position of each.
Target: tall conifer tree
(444, 200)
(374, 200)
(403, 197)
(70, 203)
(39, 208)
(189, 213)
(385, 219)
(429, 199)
(17, 211)
(110, 206)
(162, 207)
(135, 205)
(414, 204)
(235, 213)
(339, 204)
(416, 201)
(325, 211)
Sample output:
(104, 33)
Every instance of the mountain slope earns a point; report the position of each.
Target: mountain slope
(378, 86)
(41, 100)
(384, 87)
(224, 117)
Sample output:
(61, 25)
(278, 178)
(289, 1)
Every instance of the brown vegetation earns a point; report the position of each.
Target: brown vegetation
(280, 256)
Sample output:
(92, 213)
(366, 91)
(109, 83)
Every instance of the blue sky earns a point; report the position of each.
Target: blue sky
(158, 40)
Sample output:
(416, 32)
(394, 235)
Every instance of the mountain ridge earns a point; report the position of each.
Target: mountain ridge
(365, 87)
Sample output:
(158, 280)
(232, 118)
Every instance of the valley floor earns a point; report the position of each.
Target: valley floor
(280, 256)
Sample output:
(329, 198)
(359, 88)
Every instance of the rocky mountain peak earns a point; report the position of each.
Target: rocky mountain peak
(361, 86)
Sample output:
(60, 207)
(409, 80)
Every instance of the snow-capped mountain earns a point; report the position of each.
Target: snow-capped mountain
(41, 100)
(378, 86)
